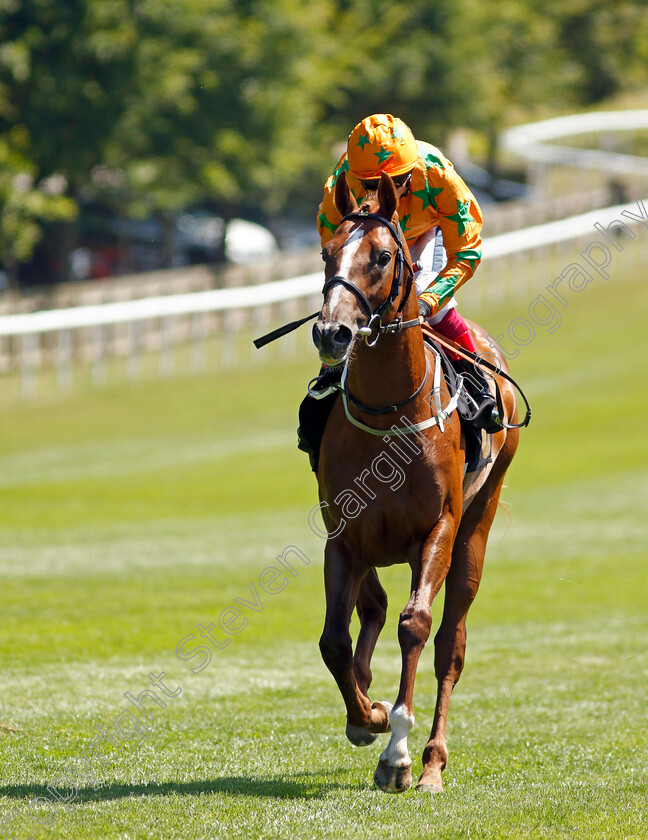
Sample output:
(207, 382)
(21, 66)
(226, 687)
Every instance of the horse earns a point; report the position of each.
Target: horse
(394, 411)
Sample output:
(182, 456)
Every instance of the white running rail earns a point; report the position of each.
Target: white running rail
(307, 285)
(531, 141)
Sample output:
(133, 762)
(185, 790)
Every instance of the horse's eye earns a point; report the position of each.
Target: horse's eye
(324, 255)
(384, 258)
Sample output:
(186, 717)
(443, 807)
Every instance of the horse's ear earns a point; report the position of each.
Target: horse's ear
(344, 199)
(387, 198)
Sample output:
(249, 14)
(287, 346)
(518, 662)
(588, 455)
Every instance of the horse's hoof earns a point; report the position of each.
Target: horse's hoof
(360, 737)
(426, 788)
(430, 781)
(392, 779)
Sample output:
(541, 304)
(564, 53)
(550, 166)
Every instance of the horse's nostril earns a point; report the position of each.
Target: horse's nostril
(342, 336)
(332, 339)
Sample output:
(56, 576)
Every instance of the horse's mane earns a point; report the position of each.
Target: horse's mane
(370, 203)
(366, 202)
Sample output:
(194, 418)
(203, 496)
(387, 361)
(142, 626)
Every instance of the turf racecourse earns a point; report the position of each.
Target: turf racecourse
(130, 514)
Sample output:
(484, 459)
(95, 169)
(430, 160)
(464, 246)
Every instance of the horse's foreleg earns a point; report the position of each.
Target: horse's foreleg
(372, 611)
(462, 584)
(342, 585)
(394, 773)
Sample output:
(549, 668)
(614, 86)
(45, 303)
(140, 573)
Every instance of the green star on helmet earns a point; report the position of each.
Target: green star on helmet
(397, 133)
(363, 139)
(324, 223)
(383, 155)
(462, 217)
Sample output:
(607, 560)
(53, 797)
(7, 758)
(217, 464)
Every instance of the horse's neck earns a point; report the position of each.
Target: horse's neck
(389, 372)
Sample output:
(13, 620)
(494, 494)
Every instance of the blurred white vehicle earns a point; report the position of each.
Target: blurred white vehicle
(246, 241)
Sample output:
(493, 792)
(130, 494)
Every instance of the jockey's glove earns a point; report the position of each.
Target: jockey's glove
(424, 308)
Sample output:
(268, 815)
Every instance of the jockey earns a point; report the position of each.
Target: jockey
(439, 217)
(440, 220)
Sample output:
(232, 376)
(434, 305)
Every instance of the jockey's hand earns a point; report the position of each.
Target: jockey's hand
(424, 309)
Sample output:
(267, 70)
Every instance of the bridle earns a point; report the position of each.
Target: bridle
(374, 316)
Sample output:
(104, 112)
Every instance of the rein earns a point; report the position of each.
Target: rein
(374, 322)
(477, 359)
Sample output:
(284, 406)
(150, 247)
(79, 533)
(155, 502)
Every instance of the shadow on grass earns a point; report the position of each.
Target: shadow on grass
(298, 786)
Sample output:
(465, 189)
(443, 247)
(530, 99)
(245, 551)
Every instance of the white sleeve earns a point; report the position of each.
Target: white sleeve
(429, 253)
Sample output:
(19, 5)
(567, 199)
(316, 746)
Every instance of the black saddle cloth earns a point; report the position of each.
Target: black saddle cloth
(314, 415)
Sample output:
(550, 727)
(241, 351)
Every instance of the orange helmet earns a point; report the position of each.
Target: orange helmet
(381, 143)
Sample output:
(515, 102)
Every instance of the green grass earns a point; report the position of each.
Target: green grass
(130, 514)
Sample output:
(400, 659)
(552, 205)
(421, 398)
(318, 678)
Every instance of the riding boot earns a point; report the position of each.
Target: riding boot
(314, 414)
(486, 414)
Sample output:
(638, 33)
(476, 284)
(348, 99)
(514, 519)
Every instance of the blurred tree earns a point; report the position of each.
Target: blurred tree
(25, 204)
(606, 42)
(556, 54)
(514, 62)
(400, 58)
(243, 105)
(65, 69)
(225, 106)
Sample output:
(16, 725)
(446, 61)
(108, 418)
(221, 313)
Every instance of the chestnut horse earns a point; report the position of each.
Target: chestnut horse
(420, 515)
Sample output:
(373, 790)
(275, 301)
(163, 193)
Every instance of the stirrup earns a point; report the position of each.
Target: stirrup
(487, 416)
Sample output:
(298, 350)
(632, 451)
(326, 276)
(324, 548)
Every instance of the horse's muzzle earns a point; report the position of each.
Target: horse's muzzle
(332, 340)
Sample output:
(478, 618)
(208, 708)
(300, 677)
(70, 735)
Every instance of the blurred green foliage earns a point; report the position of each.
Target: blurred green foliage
(24, 204)
(244, 103)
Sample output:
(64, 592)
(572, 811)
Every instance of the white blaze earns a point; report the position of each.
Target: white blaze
(349, 251)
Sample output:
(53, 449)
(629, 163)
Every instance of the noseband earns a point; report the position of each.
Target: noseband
(374, 316)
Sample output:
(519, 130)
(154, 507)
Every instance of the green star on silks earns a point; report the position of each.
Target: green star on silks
(324, 223)
(382, 155)
(470, 255)
(403, 223)
(344, 167)
(428, 195)
(462, 217)
(363, 139)
(433, 160)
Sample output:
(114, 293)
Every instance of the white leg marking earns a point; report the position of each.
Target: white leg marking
(396, 754)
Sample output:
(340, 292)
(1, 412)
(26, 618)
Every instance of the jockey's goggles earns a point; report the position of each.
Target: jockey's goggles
(399, 181)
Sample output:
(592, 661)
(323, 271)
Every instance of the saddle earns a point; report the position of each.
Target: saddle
(314, 413)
